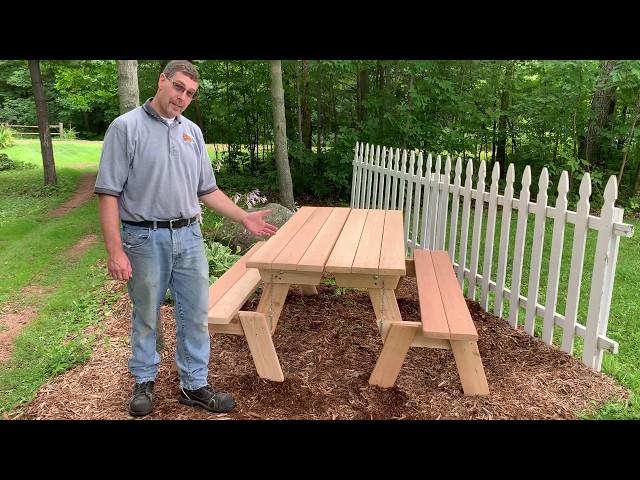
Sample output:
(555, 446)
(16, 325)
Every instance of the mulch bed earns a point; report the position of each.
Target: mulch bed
(328, 345)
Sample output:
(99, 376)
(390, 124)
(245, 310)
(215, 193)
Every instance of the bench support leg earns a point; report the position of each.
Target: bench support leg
(394, 351)
(309, 290)
(272, 301)
(469, 363)
(258, 335)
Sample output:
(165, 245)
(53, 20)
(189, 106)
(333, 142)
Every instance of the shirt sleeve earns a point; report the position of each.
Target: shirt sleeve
(114, 162)
(207, 179)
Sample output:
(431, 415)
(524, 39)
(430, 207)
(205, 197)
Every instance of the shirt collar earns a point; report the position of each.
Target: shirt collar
(149, 109)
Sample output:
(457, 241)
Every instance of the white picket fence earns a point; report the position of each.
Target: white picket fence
(431, 205)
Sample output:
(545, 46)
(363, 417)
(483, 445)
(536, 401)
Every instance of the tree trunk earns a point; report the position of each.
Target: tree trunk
(46, 147)
(320, 115)
(602, 106)
(128, 92)
(280, 133)
(363, 92)
(306, 113)
(636, 183)
(629, 142)
(298, 77)
(504, 117)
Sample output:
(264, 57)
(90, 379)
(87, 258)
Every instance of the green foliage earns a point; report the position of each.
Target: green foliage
(7, 138)
(220, 258)
(7, 164)
(70, 134)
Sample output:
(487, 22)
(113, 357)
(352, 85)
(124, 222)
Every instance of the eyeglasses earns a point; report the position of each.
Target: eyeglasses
(180, 88)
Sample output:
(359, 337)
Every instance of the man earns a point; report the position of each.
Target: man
(154, 170)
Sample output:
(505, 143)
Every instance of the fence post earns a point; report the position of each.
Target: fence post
(602, 277)
(60, 129)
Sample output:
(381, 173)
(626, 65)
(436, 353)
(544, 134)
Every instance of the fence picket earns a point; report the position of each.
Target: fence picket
(416, 203)
(602, 262)
(455, 203)
(489, 235)
(505, 230)
(355, 183)
(580, 232)
(555, 259)
(376, 174)
(433, 204)
(403, 179)
(411, 179)
(464, 227)
(443, 204)
(426, 181)
(536, 253)
(477, 230)
(518, 248)
(394, 189)
(390, 179)
(363, 177)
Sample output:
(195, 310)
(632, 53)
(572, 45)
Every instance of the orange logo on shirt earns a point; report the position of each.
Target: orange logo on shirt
(186, 137)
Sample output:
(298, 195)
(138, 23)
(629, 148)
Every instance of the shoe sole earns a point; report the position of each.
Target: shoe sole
(196, 403)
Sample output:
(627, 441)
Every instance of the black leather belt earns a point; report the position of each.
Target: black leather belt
(172, 224)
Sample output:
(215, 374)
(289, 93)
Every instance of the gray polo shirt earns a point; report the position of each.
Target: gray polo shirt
(156, 170)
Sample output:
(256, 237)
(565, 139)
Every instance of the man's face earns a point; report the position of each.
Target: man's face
(175, 94)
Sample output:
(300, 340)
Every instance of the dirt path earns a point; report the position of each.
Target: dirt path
(82, 194)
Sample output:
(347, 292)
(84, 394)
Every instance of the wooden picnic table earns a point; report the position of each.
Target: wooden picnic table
(360, 248)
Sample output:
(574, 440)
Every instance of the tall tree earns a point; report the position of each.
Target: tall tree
(128, 92)
(48, 164)
(602, 107)
(280, 132)
(363, 92)
(501, 151)
(306, 112)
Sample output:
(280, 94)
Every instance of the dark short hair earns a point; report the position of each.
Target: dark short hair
(184, 66)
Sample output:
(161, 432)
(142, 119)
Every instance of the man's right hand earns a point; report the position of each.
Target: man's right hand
(119, 266)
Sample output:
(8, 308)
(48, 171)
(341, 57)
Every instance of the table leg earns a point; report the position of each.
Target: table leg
(272, 302)
(308, 290)
(265, 358)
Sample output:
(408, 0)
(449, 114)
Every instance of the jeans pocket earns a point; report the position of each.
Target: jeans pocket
(135, 237)
(195, 229)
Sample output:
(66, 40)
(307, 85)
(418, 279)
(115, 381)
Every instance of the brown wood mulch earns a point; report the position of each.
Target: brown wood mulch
(328, 345)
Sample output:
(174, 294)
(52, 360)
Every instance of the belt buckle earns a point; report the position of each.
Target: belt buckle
(171, 223)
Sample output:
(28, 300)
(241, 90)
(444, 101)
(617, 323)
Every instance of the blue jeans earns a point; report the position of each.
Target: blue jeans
(174, 259)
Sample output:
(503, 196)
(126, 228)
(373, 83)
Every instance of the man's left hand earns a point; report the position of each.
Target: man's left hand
(254, 222)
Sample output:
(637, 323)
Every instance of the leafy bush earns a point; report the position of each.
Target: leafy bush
(7, 164)
(70, 134)
(220, 258)
(7, 137)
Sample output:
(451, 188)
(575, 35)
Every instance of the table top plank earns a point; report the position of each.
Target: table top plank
(265, 256)
(290, 256)
(392, 257)
(345, 248)
(460, 323)
(432, 312)
(367, 259)
(318, 252)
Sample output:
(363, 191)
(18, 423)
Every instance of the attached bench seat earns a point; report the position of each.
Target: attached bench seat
(227, 295)
(445, 323)
(229, 292)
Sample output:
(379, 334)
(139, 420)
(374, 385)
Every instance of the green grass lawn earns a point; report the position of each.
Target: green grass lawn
(32, 252)
(32, 246)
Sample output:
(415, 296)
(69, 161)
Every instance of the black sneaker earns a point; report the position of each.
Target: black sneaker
(141, 402)
(208, 398)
